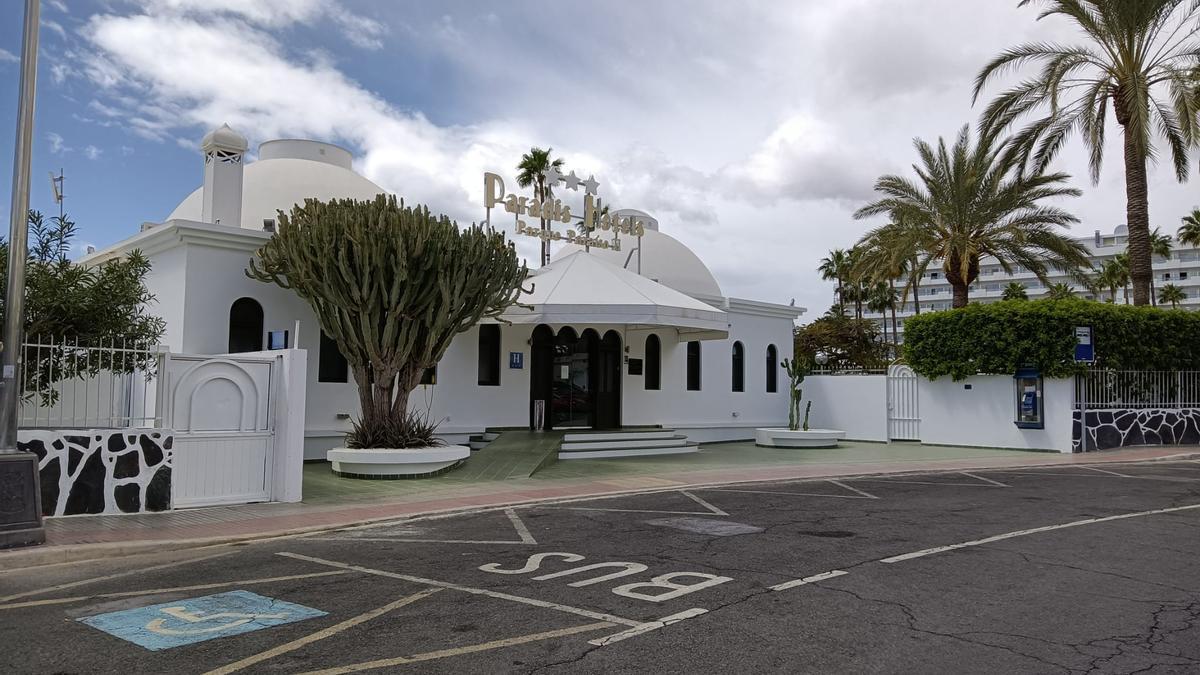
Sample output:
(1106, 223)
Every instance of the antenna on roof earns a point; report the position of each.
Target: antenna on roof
(56, 184)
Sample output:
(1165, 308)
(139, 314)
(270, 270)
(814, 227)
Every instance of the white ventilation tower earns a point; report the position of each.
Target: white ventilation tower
(223, 150)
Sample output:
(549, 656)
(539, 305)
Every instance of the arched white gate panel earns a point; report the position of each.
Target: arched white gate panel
(222, 410)
(904, 412)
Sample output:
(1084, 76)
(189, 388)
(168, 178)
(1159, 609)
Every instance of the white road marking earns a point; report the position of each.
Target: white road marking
(522, 532)
(106, 577)
(647, 627)
(322, 634)
(466, 589)
(1111, 473)
(1036, 530)
(519, 526)
(458, 651)
(703, 503)
(157, 591)
(840, 484)
(808, 580)
(984, 479)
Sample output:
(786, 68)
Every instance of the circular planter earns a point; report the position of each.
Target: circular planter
(395, 463)
(786, 438)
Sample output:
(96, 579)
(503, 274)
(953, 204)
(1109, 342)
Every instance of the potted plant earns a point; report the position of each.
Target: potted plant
(391, 285)
(798, 434)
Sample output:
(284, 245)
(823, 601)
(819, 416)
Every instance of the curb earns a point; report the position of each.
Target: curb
(53, 556)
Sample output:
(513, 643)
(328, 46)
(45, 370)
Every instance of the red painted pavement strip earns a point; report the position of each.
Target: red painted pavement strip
(505, 492)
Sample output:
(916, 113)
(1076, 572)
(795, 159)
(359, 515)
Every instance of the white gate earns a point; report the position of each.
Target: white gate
(222, 410)
(904, 413)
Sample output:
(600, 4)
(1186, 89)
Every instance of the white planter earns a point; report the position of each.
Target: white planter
(396, 462)
(786, 438)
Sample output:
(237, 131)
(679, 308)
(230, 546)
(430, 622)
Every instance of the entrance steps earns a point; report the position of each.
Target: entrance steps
(628, 442)
(480, 441)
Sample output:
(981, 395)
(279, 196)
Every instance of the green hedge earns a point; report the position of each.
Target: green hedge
(997, 338)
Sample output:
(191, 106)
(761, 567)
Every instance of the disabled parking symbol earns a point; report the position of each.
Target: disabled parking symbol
(174, 624)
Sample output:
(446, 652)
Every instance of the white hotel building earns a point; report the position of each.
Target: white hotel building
(1181, 269)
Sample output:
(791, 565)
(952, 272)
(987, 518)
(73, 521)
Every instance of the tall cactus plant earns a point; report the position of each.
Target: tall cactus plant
(392, 285)
(796, 371)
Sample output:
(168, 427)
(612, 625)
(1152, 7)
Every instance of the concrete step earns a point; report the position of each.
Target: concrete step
(630, 452)
(480, 441)
(617, 435)
(623, 442)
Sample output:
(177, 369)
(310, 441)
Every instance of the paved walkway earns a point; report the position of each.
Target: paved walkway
(332, 502)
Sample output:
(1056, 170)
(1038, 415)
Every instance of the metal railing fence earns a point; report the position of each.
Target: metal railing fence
(106, 384)
(1138, 389)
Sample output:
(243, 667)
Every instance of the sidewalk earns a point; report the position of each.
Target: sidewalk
(332, 502)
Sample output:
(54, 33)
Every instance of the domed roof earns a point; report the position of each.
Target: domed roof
(281, 182)
(225, 138)
(664, 259)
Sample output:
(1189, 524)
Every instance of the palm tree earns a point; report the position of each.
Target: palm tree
(1170, 293)
(881, 298)
(1112, 275)
(1120, 264)
(1189, 233)
(1137, 57)
(836, 267)
(1161, 246)
(893, 251)
(1060, 291)
(534, 164)
(1015, 290)
(969, 202)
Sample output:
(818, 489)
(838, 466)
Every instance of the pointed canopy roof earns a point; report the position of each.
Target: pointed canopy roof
(583, 289)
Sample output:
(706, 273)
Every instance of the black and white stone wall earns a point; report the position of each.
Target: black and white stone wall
(1122, 427)
(102, 470)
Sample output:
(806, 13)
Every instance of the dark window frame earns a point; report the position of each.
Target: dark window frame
(488, 368)
(695, 370)
(246, 318)
(653, 363)
(737, 360)
(332, 365)
(772, 369)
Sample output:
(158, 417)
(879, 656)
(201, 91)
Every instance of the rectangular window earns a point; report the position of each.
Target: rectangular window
(693, 366)
(331, 364)
(1182, 275)
(429, 376)
(1166, 276)
(489, 355)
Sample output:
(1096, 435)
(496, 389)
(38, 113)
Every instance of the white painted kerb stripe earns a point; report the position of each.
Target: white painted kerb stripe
(647, 627)
(808, 580)
(1036, 530)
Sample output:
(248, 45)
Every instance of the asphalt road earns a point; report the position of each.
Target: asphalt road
(1041, 571)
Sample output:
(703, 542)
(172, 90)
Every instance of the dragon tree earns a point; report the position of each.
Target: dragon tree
(391, 285)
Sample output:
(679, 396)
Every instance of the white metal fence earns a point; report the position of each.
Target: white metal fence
(1138, 389)
(69, 385)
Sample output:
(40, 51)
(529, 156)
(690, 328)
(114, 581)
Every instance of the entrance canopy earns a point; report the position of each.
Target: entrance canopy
(583, 289)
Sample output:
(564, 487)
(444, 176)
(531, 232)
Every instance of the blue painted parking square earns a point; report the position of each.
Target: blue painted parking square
(174, 624)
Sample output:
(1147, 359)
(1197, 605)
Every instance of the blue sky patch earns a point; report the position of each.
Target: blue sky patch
(185, 622)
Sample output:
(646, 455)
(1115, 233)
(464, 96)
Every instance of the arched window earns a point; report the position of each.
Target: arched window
(772, 369)
(653, 363)
(245, 326)
(739, 367)
(693, 366)
(489, 355)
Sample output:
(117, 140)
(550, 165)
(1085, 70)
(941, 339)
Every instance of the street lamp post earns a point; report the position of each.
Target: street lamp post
(20, 494)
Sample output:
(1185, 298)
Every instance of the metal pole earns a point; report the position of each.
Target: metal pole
(14, 302)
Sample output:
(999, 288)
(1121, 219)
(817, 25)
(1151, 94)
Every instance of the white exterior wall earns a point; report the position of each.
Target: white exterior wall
(856, 404)
(983, 415)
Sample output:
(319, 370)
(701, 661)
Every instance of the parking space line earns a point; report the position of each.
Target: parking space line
(647, 627)
(1111, 473)
(81, 582)
(458, 651)
(864, 493)
(984, 479)
(703, 503)
(157, 591)
(859, 494)
(322, 634)
(466, 589)
(524, 537)
(808, 580)
(519, 525)
(1036, 530)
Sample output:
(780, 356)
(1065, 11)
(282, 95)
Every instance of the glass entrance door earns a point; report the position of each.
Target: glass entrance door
(570, 385)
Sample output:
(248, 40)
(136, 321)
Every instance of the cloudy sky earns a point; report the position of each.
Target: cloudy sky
(751, 130)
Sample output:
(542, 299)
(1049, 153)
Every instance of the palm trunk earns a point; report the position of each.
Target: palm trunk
(1137, 213)
(960, 294)
(916, 290)
(892, 306)
(1153, 294)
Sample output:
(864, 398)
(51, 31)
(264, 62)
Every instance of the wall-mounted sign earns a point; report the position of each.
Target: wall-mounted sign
(1085, 349)
(516, 360)
(595, 218)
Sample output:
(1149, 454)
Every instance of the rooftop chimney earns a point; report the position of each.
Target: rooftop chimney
(222, 201)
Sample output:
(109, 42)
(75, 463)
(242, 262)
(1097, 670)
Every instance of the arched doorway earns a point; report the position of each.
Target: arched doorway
(578, 376)
(245, 326)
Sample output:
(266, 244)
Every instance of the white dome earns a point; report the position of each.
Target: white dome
(225, 138)
(1121, 230)
(664, 259)
(282, 182)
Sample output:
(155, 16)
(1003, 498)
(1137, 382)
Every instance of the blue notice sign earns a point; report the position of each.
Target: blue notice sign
(1085, 348)
(174, 624)
(516, 360)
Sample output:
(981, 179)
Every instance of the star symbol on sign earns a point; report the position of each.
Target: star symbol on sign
(590, 185)
(572, 181)
(552, 176)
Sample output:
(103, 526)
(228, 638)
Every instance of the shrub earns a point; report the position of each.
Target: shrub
(998, 338)
(849, 342)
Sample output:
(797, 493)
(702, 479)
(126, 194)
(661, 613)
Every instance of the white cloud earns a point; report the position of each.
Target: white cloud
(8, 57)
(92, 152)
(57, 146)
(58, 5)
(54, 26)
(360, 30)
